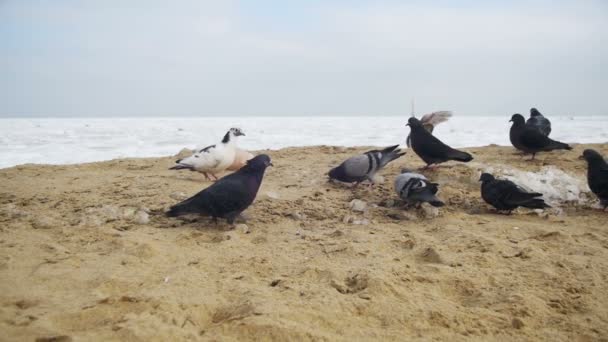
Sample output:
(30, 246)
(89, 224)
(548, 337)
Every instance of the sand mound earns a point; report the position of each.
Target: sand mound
(87, 254)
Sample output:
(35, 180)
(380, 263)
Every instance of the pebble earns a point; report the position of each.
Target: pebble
(43, 222)
(430, 211)
(347, 219)
(128, 212)
(110, 212)
(14, 212)
(402, 216)
(377, 179)
(141, 217)
(362, 222)
(296, 215)
(178, 195)
(358, 205)
(517, 323)
(272, 194)
(243, 228)
(389, 203)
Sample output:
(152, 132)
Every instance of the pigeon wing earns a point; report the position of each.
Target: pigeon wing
(221, 197)
(534, 139)
(358, 166)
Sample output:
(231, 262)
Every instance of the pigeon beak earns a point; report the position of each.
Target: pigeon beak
(581, 157)
(178, 161)
(407, 124)
(511, 120)
(270, 164)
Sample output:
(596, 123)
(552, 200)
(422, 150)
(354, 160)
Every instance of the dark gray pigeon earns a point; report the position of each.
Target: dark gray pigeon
(539, 122)
(431, 149)
(414, 188)
(530, 140)
(229, 196)
(364, 166)
(597, 175)
(429, 121)
(505, 195)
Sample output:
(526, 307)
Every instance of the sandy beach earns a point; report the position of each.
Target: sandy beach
(86, 254)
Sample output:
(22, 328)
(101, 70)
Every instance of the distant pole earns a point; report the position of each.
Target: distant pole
(412, 114)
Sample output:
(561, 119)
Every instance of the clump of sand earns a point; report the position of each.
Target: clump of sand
(86, 254)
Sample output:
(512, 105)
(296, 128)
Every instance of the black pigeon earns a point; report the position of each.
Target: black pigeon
(414, 188)
(506, 195)
(431, 149)
(539, 122)
(364, 166)
(530, 140)
(597, 175)
(229, 196)
(429, 121)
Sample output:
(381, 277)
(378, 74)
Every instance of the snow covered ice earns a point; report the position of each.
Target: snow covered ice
(77, 140)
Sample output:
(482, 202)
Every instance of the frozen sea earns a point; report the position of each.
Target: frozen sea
(77, 140)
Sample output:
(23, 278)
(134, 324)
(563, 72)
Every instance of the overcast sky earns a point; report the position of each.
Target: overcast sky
(330, 57)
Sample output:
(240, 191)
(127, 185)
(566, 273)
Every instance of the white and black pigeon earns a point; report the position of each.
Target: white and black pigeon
(429, 121)
(228, 197)
(538, 121)
(364, 166)
(597, 175)
(414, 189)
(212, 159)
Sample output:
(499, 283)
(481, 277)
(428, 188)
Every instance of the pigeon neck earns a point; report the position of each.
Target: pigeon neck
(228, 139)
(518, 124)
(598, 162)
(255, 173)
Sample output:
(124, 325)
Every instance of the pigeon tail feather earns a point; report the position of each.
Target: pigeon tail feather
(181, 167)
(460, 156)
(535, 203)
(556, 145)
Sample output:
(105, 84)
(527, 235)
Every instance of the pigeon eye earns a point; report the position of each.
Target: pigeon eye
(195, 156)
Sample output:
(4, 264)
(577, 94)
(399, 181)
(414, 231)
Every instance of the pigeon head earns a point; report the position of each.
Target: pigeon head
(259, 162)
(592, 156)
(534, 112)
(413, 122)
(518, 119)
(486, 177)
(335, 173)
(236, 132)
(232, 133)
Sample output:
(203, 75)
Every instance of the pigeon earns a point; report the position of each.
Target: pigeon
(414, 188)
(530, 140)
(229, 196)
(364, 166)
(597, 175)
(429, 121)
(505, 195)
(431, 149)
(214, 158)
(240, 159)
(538, 121)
